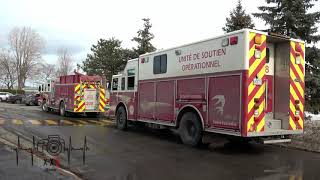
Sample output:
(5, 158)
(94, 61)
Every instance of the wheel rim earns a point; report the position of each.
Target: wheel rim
(120, 117)
(43, 106)
(62, 109)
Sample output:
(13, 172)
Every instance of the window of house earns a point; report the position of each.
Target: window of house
(115, 84)
(123, 83)
(160, 64)
(130, 79)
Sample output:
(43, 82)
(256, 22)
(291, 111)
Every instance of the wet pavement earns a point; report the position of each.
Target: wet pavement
(139, 153)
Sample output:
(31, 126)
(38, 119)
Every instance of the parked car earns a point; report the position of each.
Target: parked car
(4, 96)
(17, 99)
(32, 100)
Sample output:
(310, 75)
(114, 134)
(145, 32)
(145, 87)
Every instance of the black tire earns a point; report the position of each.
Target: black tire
(62, 110)
(121, 118)
(190, 129)
(1, 100)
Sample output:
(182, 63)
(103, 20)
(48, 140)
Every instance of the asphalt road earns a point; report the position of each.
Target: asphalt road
(139, 153)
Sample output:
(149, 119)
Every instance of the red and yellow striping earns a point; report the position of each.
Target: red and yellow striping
(296, 118)
(79, 104)
(256, 91)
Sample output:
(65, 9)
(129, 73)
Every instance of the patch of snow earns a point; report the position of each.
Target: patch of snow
(313, 117)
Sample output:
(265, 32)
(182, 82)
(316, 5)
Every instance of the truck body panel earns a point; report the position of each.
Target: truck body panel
(245, 83)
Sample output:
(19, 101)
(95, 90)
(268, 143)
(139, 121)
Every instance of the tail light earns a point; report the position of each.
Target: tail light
(298, 58)
(297, 112)
(256, 107)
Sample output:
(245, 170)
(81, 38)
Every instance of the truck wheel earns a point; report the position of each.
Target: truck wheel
(44, 106)
(121, 117)
(190, 129)
(62, 109)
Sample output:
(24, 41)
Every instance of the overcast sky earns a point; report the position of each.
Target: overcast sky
(77, 24)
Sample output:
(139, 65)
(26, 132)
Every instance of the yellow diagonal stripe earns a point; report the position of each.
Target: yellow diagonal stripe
(298, 85)
(77, 88)
(292, 124)
(108, 122)
(296, 67)
(257, 95)
(51, 122)
(17, 122)
(261, 125)
(35, 122)
(82, 122)
(295, 97)
(96, 122)
(67, 122)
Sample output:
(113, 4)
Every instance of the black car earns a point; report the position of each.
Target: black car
(32, 100)
(17, 99)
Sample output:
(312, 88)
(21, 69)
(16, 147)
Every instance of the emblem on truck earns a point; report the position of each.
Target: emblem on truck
(220, 101)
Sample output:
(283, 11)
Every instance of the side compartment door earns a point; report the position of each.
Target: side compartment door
(165, 100)
(146, 100)
(224, 97)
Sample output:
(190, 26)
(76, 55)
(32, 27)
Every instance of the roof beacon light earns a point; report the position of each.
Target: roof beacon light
(298, 48)
(258, 39)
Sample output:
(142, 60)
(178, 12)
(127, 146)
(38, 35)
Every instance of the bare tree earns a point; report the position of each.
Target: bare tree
(65, 62)
(44, 72)
(8, 76)
(26, 45)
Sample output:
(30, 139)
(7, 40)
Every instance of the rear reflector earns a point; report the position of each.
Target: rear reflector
(233, 40)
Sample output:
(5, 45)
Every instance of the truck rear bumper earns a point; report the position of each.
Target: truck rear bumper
(275, 132)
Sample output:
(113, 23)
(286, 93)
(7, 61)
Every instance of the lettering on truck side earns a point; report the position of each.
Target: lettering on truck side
(201, 56)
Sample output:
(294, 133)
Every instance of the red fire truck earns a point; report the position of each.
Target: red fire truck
(247, 84)
(74, 94)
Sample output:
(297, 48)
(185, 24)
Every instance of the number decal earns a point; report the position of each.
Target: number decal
(267, 69)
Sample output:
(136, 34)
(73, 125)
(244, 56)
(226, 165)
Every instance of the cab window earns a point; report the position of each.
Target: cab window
(130, 79)
(115, 84)
(123, 84)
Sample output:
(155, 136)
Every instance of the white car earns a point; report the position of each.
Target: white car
(4, 96)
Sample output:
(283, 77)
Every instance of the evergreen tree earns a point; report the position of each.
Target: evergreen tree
(291, 18)
(238, 19)
(144, 38)
(312, 81)
(107, 58)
